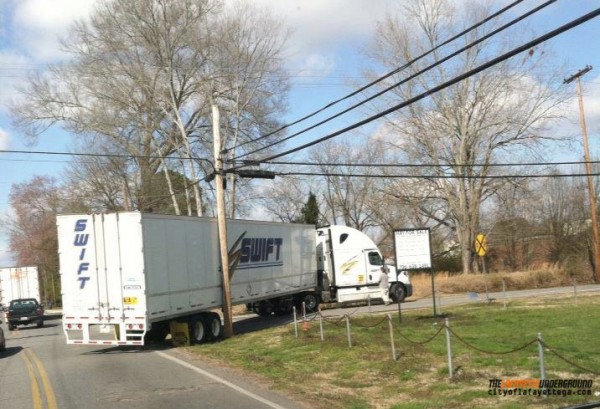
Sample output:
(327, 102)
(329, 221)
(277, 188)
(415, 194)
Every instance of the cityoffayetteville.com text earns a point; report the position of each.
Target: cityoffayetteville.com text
(540, 387)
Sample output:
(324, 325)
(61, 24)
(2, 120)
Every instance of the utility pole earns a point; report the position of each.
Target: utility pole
(588, 167)
(221, 222)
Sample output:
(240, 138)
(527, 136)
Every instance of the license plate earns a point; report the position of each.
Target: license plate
(130, 300)
(24, 319)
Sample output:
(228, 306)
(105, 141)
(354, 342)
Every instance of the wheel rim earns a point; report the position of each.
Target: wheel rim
(310, 301)
(215, 327)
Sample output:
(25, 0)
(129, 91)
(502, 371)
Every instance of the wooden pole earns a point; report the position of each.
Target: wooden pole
(222, 225)
(588, 168)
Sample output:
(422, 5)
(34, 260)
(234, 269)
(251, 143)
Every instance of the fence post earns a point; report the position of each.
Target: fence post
(448, 346)
(399, 312)
(575, 289)
(541, 353)
(390, 325)
(295, 322)
(504, 292)
(348, 331)
(321, 324)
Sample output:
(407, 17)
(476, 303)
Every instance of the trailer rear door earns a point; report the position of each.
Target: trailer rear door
(102, 278)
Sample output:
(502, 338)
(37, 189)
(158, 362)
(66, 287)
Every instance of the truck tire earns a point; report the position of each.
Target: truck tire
(310, 300)
(12, 327)
(213, 325)
(197, 328)
(397, 292)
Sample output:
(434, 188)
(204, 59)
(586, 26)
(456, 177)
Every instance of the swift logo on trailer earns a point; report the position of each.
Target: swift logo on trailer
(248, 253)
(266, 251)
(80, 241)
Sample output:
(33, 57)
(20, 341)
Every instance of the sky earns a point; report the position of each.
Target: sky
(324, 55)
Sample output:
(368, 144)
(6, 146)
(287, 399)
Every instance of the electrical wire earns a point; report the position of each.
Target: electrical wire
(381, 176)
(101, 155)
(423, 165)
(389, 74)
(572, 24)
(295, 163)
(405, 80)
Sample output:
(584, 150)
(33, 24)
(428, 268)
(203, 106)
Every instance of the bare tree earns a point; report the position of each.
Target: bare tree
(140, 75)
(286, 198)
(252, 85)
(347, 199)
(32, 229)
(458, 133)
(512, 226)
(563, 214)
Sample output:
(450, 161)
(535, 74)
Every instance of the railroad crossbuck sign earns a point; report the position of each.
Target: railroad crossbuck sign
(480, 245)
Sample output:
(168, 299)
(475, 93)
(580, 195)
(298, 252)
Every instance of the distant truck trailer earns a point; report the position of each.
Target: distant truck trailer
(18, 282)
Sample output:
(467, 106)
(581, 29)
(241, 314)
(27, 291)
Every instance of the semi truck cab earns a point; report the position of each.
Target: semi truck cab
(349, 264)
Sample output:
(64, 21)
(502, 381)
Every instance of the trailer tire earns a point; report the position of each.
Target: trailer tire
(158, 332)
(197, 328)
(284, 306)
(265, 308)
(213, 325)
(397, 292)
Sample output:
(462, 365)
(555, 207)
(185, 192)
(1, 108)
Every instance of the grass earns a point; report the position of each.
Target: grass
(544, 276)
(329, 374)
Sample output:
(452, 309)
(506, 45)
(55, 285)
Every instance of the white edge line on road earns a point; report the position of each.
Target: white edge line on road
(221, 380)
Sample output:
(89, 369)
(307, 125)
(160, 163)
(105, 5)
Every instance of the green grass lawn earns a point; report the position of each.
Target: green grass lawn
(329, 374)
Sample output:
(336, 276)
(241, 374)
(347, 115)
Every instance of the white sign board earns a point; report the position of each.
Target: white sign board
(412, 249)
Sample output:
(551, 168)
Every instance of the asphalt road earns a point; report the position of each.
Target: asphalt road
(468, 298)
(40, 371)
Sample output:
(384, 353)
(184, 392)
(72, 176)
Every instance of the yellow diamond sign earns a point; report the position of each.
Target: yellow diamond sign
(480, 245)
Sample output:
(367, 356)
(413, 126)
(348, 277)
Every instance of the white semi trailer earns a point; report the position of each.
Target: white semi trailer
(19, 282)
(126, 276)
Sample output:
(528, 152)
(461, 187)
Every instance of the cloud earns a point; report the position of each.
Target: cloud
(6, 259)
(4, 140)
(15, 68)
(317, 65)
(38, 24)
(320, 28)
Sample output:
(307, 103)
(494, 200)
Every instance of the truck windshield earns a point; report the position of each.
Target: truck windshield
(375, 259)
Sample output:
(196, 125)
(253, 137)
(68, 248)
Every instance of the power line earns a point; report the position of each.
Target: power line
(389, 74)
(100, 155)
(405, 80)
(421, 165)
(380, 176)
(297, 163)
(503, 57)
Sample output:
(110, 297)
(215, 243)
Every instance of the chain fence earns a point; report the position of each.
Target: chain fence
(345, 320)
